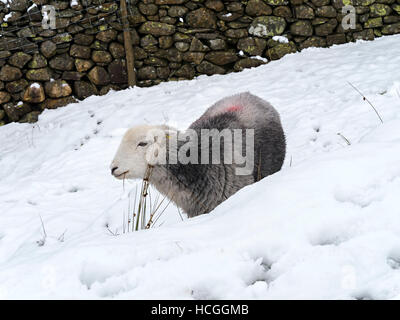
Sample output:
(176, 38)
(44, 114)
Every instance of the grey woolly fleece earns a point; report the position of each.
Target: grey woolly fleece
(199, 188)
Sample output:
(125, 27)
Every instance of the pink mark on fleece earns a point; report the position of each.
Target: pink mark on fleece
(233, 109)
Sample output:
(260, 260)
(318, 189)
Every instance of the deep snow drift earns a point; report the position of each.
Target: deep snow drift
(327, 226)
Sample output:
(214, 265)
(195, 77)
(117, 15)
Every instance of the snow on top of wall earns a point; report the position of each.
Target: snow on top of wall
(281, 39)
(35, 85)
(32, 6)
(8, 16)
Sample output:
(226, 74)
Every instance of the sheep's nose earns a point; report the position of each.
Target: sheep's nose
(113, 169)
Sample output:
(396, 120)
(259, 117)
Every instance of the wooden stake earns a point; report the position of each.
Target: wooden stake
(130, 60)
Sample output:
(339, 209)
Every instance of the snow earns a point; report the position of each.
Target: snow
(32, 7)
(260, 58)
(35, 85)
(326, 226)
(281, 39)
(8, 16)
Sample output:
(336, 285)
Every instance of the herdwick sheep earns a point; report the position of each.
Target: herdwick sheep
(198, 187)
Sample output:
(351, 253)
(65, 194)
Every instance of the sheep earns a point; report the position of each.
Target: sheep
(197, 187)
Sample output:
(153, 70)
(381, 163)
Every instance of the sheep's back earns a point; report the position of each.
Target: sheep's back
(247, 111)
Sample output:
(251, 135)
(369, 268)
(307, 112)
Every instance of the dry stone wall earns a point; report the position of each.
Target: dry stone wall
(172, 40)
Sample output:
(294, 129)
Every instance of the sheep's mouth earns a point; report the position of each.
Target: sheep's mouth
(122, 175)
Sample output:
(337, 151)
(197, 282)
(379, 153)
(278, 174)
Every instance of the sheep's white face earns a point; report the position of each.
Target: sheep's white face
(136, 151)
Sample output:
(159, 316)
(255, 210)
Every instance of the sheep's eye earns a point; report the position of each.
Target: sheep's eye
(142, 144)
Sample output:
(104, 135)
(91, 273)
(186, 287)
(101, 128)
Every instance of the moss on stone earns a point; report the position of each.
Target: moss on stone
(374, 23)
(276, 2)
(380, 10)
(281, 50)
(396, 7)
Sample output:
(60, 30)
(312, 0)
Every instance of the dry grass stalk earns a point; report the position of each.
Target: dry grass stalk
(141, 211)
(145, 211)
(344, 138)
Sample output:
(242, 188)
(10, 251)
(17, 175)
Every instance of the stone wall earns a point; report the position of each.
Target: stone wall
(172, 40)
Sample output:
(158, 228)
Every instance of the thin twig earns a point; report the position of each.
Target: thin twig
(154, 212)
(179, 211)
(42, 241)
(129, 209)
(365, 99)
(344, 138)
(62, 236)
(142, 201)
(134, 208)
(113, 233)
(160, 214)
(44, 230)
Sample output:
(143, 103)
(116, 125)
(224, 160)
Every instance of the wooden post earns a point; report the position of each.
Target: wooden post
(130, 60)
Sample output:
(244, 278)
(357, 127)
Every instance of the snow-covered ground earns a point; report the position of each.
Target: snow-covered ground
(326, 226)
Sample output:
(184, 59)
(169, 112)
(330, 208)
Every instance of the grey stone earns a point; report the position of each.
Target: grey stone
(19, 59)
(99, 76)
(84, 89)
(79, 51)
(48, 48)
(252, 45)
(202, 18)
(62, 62)
(9, 73)
(209, 68)
(157, 28)
(301, 28)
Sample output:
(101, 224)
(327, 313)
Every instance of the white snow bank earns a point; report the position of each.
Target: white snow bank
(327, 226)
